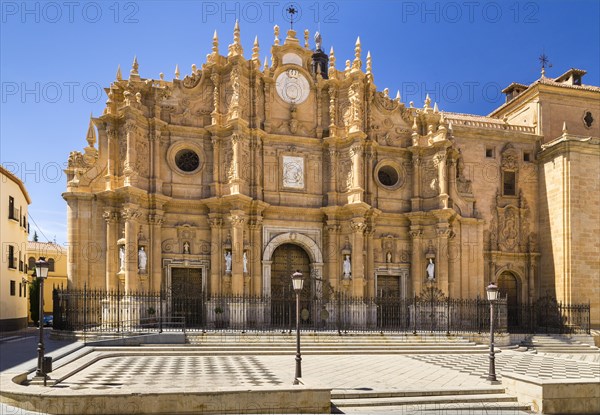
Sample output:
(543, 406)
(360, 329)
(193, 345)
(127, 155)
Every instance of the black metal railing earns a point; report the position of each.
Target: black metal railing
(117, 311)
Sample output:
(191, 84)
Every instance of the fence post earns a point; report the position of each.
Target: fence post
(448, 316)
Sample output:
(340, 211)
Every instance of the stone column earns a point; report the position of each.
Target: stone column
(156, 221)
(113, 136)
(442, 266)
(130, 215)
(370, 265)
(358, 267)
(417, 266)
(216, 158)
(237, 219)
(112, 280)
(332, 184)
(416, 198)
(73, 254)
(216, 259)
(331, 253)
(356, 153)
(255, 256)
(129, 171)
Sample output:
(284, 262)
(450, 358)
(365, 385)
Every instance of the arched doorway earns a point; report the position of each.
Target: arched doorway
(287, 259)
(508, 287)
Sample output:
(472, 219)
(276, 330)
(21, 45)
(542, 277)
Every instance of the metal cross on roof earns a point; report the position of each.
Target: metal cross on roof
(545, 61)
(291, 11)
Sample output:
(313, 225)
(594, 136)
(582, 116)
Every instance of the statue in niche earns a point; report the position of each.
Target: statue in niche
(431, 270)
(186, 247)
(388, 257)
(142, 259)
(228, 261)
(347, 267)
(245, 259)
(122, 257)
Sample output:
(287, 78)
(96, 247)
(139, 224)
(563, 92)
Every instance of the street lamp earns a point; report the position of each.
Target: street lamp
(41, 271)
(298, 283)
(492, 296)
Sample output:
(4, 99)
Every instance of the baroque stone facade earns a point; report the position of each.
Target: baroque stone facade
(212, 176)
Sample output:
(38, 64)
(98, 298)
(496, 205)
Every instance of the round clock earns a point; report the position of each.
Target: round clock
(292, 86)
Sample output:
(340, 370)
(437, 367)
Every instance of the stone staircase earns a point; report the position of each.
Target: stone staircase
(554, 343)
(486, 400)
(331, 343)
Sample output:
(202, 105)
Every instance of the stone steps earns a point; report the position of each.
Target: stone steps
(556, 344)
(436, 400)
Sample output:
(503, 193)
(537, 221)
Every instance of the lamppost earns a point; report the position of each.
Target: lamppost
(298, 283)
(492, 296)
(41, 271)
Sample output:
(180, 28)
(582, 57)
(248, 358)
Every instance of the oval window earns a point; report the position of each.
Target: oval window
(187, 160)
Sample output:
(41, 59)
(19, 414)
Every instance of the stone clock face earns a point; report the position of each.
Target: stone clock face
(292, 87)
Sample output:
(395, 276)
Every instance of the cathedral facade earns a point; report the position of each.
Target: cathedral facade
(231, 178)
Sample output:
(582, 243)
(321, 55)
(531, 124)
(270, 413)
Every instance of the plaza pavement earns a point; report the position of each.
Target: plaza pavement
(181, 369)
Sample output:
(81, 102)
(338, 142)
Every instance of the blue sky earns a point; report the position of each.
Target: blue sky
(57, 56)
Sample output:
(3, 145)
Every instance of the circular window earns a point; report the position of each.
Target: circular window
(187, 160)
(388, 176)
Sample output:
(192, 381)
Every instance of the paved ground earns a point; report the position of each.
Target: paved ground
(140, 370)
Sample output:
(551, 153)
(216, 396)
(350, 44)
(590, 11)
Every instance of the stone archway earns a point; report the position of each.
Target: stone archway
(310, 247)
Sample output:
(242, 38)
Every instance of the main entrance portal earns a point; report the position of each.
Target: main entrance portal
(187, 296)
(287, 259)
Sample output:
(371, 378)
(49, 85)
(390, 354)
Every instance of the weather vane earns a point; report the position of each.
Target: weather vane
(291, 11)
(545, 61)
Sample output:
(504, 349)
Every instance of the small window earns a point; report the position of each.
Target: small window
(13, 287)
(31, 263)
(51, 265)
(11, 257)
(527, 156)
(588, 119)
(489, 152)
(20, 290)
(509, 178)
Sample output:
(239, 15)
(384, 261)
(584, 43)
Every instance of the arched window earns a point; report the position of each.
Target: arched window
(31, 263)
(51, 265)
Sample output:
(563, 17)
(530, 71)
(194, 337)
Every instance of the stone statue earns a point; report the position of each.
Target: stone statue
(245, 258)
(142, 259)
(122, 257)
(388, 257)
(227, 261)
(347, 266)
(431, 270)
(186, 247)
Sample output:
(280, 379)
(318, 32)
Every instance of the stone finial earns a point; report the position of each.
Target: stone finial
(119, 75)
(177, 72)
(318, 41)
(435, 107)
(215, 44)
(414, 126)
(347, 64)
(91, 133)
(134, 67)
(442, 126)
(369, 63)
(564, 129)
(235, 49)
(306, 38)
(356, 64)
(266, 65)
(386, 92)
(276, 33)
(161, 76)
(427, 102)
(255, 51)
(398, 98)
(194, 68)
(331, 69)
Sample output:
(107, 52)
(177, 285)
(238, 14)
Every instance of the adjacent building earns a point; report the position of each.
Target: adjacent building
(232, 177)
(56, 255)
(14, 230)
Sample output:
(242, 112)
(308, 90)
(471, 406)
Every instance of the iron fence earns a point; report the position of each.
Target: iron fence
(117, 311)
